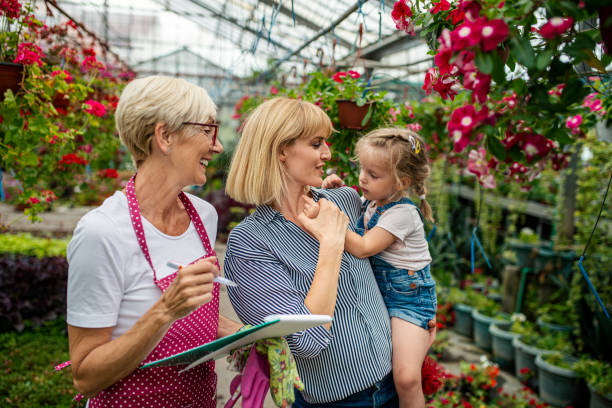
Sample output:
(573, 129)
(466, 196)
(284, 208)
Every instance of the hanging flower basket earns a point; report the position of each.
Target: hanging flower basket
(352, 116)
(11, 77)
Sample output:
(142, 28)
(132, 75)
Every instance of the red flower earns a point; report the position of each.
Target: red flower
(95, 108)
(63, 74)
(91, 62)
(28, 54)
(432, 376)
(10, 8)
(455, 16)
(555, 27)
(467, 404)
(463, 118)
(443, 5)
(573, 122)
(354, 74)
(89, 52)
(72, 158)
(401, 15)
(471, 9)
(108, 173)
(445, 52)
(338, 76)
(466, 35)
(33, 200)
(273, 90)
(493, 32)
(479, 84)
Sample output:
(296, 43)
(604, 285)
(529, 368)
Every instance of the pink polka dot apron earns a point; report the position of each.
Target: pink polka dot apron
(166, 386)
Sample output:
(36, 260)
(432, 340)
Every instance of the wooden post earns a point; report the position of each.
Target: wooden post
(566, 217)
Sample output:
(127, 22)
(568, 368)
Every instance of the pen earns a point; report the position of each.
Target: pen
(218, 279)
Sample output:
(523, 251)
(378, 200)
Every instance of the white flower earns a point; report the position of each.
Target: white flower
(518, 317)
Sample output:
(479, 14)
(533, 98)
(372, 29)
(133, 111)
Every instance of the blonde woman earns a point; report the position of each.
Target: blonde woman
(286, 262)
(125, 305)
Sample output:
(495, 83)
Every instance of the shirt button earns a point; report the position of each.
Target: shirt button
(410, 273)
(413, 285)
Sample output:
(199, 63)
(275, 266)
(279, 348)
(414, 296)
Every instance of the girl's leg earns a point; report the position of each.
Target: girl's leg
(410, 345)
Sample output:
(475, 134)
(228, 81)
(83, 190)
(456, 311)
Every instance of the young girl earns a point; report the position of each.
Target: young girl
(391, 232)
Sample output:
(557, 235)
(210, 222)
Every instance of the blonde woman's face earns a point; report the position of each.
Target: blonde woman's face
(304, 160)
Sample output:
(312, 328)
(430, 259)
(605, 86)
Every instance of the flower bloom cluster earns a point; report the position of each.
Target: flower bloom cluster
(28, 54)
(339, 76)
(10, 8)
(62, 74)
(90, 62)
(555, 27)
(402, 16)
(108, 174)
(72, 158)
(95, 108)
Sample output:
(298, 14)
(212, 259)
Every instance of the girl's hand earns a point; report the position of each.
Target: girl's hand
(332, 181)
(191, 288)
(330, 223)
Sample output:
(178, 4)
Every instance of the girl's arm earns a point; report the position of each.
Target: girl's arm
(371, 243)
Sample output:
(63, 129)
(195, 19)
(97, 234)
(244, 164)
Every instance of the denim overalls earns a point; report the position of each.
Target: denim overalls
(409, 295)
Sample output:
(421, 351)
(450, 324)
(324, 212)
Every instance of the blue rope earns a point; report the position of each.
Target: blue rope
(88, 170)
(1, 187)
(259, 34)
(292, 13)
(431, 233)
(273, 20)
(472, 252)
(482, 251)
(367, 87)
(63, 62)
(586, 277)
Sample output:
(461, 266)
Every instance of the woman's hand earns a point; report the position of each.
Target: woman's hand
(191, 288)
(329, 223)
(332, 181)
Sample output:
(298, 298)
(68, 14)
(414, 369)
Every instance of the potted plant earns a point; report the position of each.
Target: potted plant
(17, 45)
(501, 342)
(355, 108)
(555, 316)
(558, 383)
(598, 376)
(461, 301)
(486, 313)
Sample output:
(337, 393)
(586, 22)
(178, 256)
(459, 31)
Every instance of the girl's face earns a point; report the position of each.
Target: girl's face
(376, 180)
(304, 160)
(193, 152)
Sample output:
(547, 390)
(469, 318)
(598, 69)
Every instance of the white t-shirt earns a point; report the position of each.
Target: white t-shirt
(110, 283)
(410, 250)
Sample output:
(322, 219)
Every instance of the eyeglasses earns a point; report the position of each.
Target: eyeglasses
(211, 129)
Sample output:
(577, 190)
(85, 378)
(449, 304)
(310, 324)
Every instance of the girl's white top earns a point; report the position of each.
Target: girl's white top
(410, 250)
(110, 282)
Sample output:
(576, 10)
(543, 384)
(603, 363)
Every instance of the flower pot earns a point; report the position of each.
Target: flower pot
(501, 343)
(464, 322)
(553, 327)
(524, 358)
(351, 116)
(559, 386)
(598, 400)
(11, 77)
(543, 258)
(482, 337)
(523, 253)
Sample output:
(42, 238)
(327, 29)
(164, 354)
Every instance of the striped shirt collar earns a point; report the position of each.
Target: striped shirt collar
(267, 213)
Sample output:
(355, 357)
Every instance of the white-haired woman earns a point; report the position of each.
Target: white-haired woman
(285, 262)
(126, 306)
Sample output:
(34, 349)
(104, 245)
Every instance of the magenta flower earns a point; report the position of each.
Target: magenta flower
(63, 74)
(471, 9)
(273, 90)
(95, 108)
(517, 168)
(354, 74)
(394, 112)
(464, 119)
(466, 35)
(460, 140)
(338, 76)
(479, 84)
(445, 52)
(477, 162)
(443, 5)
(555, 27)
(28, 54)
(493, 32)
(401, 15)
(573, 122)
(10, 8)
(535, 145)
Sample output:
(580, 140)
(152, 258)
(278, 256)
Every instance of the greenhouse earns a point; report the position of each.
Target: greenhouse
(196, 201)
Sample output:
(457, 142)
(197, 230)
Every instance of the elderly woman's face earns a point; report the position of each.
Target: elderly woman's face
(194, 149)
(304, 159)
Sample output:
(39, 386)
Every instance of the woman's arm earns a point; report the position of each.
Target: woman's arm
(371, 243)
(99, 362)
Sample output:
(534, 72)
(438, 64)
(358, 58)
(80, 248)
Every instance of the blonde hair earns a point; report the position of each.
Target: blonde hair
(256, 175)
(405, 153)
(145, 102)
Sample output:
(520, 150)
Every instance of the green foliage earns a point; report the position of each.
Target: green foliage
(26, 244)
(28, 377)
(598, 374)
(558, 360)
(542, 339)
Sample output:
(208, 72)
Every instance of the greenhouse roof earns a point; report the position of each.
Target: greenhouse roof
(219, 43)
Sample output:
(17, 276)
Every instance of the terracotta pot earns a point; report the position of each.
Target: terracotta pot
(11, 77)
(605, 15)
(351, 116)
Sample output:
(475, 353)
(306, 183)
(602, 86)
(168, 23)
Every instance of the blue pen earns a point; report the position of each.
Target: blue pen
(218, 279)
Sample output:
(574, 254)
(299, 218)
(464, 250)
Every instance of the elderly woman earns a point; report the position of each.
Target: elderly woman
(126, 306)
(285, 262)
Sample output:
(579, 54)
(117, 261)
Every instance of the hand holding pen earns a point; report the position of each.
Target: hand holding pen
(218, 279)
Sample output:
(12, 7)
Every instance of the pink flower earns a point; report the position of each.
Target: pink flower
(466, 35)
(95, 108)
(493, 32)
(415, 127)
(10, 8)
(338, 76)
(471, 9)
(464, 118)
(401, 15)
(446, 86)
(443, 5)
(477, 162)
(479, 84)
(409, 109)
(273, 90)
(394, 112)
(455, 16)
(573, 122)
(91, 62)
(354, 74)
(555, 27)
(33, 200)
(28, 54)
(63, 74)
(535, 145)
(431, 77)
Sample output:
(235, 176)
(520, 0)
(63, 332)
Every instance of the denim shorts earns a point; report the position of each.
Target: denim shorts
(381, 394)
(409, 295)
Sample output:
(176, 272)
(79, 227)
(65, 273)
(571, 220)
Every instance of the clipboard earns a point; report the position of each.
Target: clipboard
(273, 326)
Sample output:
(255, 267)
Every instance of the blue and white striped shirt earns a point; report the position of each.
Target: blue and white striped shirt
(274, 261)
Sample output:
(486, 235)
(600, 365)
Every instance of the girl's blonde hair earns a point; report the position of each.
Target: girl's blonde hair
(405, 152)
(256, 175)
(145, 102)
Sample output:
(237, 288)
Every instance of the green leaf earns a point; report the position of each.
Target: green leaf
(543, 59)
(522, 50)
(574, 91)
(496, 147)
(484, 62)
(499, 73)
(368, 115)
(516, 154)
(560, 135)
(360, 101)
(519, 86)
(511, 63)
